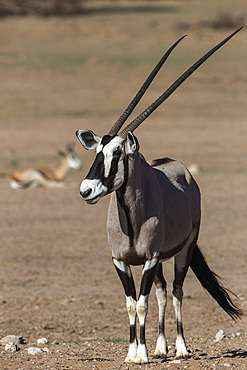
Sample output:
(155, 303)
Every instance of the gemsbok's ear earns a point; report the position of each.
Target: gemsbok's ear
(132, 144)
(88, 139)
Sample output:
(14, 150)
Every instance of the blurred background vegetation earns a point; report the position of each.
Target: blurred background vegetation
(40, 7)
(69, 64)
(75, 7)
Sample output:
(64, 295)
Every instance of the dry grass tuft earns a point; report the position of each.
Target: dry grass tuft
(223, 21)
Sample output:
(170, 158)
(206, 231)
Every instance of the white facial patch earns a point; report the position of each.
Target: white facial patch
(99, 148)
(96, 188)
(108, 151)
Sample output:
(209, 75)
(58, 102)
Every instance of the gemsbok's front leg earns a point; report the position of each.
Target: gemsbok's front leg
(125, 275)
(161, 294)
(148, 274)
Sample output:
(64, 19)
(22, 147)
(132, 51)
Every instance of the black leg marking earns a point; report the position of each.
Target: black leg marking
(161, 327)
(127, 280)
(148, 279)
(126, 277)
(159, 278)
(161, 288)
(142, 334)
(132, 333)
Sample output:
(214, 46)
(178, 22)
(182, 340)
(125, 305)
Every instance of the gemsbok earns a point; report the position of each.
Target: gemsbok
(44, 176)
(154, 214)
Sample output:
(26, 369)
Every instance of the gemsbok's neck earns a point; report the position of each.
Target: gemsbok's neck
(132, 197)
(129, 192)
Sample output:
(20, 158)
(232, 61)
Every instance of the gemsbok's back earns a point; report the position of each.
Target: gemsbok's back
(154, 214)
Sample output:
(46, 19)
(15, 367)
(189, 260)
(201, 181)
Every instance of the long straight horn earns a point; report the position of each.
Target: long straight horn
(119, 123)
(142, 116)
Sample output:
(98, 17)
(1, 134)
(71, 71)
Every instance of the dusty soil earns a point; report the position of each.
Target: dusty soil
(56, 277)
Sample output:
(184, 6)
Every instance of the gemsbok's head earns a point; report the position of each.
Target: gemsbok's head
(112, 150)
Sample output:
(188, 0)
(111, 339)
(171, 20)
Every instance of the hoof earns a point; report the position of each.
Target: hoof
(163, 356)
(136, 360)
(129, 359)
(181, 347)
(183, 354)
(142, 354)
(132, 354)
(182, 351)
(143, 360)
(161, 347)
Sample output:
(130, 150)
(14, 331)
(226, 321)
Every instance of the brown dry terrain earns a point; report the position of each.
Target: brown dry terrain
(56, 277)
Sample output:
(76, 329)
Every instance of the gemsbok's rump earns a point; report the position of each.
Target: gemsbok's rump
(154, 215)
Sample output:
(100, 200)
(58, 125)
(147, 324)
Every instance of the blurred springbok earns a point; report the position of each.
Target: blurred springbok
(154, 214)
(44, 176)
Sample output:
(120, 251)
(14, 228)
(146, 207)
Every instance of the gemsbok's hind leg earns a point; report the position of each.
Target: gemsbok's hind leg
(161, 294)
(125, 275)
(182, 262)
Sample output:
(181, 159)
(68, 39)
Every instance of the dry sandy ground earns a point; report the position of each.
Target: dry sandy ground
(58, 282)
(56, 277)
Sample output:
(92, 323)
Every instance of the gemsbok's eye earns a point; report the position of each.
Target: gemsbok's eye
(117, 152)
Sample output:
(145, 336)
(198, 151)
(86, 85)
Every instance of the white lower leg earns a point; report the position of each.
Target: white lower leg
(181, 347)
(180, 342)
(131, 308)
(161, 345)
(132, 352)
(142, 309)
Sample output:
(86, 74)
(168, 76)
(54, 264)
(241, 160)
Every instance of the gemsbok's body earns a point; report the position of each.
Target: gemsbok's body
(154, 214)
(44, 176)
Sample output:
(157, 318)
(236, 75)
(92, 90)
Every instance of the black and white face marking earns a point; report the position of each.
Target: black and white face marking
(107, 173)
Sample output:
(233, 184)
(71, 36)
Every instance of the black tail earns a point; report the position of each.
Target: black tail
(209, 281)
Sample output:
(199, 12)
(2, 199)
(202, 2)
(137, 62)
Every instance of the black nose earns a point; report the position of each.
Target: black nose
(86, 193)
